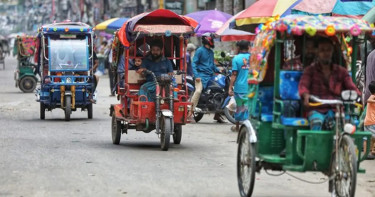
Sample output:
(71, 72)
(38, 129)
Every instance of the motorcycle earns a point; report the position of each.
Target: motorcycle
(215, 97)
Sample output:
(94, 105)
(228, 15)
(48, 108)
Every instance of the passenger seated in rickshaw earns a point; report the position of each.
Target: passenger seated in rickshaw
(326, 80)
(156, 63)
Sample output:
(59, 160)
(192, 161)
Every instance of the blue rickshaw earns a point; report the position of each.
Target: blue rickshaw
(66, 61)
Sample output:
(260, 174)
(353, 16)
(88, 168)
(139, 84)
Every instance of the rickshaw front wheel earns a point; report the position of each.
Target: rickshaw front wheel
(89, 111)
(27, 84)
(68, 107)
(177, 134)
(245, 163)
(166, 130)
(42, 111)
(116, 129)
(344, 181)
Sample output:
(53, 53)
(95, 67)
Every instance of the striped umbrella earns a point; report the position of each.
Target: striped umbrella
(111, 24)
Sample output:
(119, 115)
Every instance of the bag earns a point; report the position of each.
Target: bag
(232, 104)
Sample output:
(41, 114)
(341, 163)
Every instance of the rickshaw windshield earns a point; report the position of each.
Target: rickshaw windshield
(68, 54)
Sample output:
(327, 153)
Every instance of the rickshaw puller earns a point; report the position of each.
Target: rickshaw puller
(325, 80)
(156, 63)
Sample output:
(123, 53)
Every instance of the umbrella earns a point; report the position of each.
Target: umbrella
(333, 7)
(228, 34)
(192, 21)
(262, 10)
(209, 20)
(111, 24)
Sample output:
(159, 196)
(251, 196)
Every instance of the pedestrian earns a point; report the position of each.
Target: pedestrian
(203, 69)
(189, 55)
(370, 71)
(370, 118)
(240, 71)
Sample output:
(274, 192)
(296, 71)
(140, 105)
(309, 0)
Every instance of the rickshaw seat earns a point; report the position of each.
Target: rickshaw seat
(288, 87)
(265, 95)
(134, 77)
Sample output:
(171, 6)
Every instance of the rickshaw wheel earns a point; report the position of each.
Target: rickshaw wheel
(166, 130)
(42, 111)
(198, 116)
(68, 107)
(27, 84)
(116, 129)
(89, 111)
(345, 179)
(245, 164)
(229, 115)
(177, 135)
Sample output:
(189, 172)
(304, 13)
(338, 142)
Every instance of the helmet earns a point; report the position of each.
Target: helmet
(208, 38)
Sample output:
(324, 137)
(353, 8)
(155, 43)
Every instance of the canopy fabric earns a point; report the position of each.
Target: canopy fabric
(192, 21)
(209, 20)
(354, 8)
(370, 16)
(117, 24)
(314, 7)
(261, 11)
(103, 25)
(228, 34)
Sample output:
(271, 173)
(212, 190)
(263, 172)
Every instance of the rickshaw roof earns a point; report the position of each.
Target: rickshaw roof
(320, 23)
(66, 27)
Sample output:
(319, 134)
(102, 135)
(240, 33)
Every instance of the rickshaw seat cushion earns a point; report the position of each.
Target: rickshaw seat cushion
(265, 97)
(293, 121)
(266, 117)
(289, 81)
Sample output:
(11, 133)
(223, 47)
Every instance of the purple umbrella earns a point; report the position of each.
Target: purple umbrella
(209, 20)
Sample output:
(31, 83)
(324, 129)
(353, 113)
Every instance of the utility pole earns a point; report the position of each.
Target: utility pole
(228, 7)
(219, 5)
(161, 4)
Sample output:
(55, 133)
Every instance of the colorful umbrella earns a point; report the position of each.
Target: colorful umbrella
(370, 16)
(228, 34)
(111, 24)
(209, 20)
(262, 10)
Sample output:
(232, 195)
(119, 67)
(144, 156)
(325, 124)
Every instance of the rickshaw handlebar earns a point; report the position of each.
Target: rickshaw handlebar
(318, 101)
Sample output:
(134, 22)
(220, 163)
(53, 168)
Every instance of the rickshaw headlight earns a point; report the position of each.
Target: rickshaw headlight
(349, 95)
(161, 101)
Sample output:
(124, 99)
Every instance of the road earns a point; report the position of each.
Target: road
(56, 158)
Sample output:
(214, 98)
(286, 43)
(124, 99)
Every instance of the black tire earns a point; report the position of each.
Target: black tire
(166, 130)
(42, 111)
(177, 135)
(116, 129)
(245, 164)
(229, 115)
(347, 174)
(89, 111)
(198, 116)
(68, 107)
(27, 84)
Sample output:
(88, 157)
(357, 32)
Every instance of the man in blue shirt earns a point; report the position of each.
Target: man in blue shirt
(156, 63)
(203, 69)
(240, 71)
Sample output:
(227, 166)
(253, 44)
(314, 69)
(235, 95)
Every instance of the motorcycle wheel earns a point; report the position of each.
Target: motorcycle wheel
(229, 115)
(198, 116)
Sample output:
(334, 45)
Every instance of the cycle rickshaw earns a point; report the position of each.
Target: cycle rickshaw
(25, 74)
(65, 58)
(168, 112)
(271, 129)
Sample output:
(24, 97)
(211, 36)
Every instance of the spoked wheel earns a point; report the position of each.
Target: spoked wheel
(27, 84)
(116, 129)
(89, 111)
(245, 164)
(229, 115)
(344, 181)
(198, 116)
(166, 130)
(42, 111)
(68, 107)
(177, 135)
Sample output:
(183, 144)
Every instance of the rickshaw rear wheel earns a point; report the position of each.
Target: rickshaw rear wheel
(198, 116)
(68, 107)
(166, 130)
(27, 84)
(245, 163)
(42, 111)
(116, 129)
(177, 135)
(345, 179)
(89, 111)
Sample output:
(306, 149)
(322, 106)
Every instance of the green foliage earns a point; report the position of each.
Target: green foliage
(217, 56)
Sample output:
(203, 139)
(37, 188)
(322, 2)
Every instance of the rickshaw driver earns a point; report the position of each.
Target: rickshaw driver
(325, 80)
(156, 63)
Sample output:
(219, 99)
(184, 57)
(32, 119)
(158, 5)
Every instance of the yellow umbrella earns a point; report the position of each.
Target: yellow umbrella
(103, 25)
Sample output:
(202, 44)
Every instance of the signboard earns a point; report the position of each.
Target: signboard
(176, 6)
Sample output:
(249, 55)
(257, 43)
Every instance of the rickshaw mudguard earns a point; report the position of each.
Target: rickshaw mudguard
(252, 134)
(167, 113)
(117, 109)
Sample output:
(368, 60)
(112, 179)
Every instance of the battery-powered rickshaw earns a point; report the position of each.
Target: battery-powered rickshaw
(65, 58)
(25, 74)
(277, 135)
(168, 111)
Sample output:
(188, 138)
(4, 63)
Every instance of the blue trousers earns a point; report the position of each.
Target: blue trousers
(317, 120)
(148, 89)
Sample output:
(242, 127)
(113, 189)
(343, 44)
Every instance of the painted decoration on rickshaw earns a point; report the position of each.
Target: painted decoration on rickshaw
(26, 46)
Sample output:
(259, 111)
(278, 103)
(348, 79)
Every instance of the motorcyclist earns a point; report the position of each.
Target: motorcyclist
(203, 69)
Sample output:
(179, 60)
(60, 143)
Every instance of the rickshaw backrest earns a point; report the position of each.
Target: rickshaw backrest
(265, 97)
(289, 81)
(134, 77)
